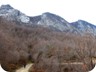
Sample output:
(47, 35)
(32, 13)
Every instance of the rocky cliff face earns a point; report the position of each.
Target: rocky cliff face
(47, 19)
(52, 20)
(84, 27)
(12, 14)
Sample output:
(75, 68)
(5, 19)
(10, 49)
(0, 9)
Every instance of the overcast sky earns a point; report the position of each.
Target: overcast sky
(71, 10)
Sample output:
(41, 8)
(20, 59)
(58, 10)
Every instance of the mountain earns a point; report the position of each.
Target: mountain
(84, 27)
(12, 14)
(52, 21)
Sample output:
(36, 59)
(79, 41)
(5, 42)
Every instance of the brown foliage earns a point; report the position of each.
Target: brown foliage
(20, 44)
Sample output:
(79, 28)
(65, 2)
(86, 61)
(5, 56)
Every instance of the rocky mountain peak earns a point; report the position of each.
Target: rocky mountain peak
(53, 17)
(81, 22)
(4, 9)
(12, 14)
(54, 21)
(7, 7)
(84, 27)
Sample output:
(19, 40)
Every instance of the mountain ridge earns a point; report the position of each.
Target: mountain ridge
(47, 19)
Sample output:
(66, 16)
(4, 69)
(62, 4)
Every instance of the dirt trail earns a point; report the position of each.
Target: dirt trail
(24, 69)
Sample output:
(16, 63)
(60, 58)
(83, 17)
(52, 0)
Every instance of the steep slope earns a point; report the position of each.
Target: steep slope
(54, 21)
(12, 14)
(84, 27)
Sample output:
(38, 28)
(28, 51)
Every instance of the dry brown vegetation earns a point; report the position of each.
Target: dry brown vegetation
(47, 49)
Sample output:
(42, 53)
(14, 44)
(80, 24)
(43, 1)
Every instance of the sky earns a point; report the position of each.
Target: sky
(70, 10)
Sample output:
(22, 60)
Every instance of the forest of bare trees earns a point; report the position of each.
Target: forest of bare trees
(48, 50)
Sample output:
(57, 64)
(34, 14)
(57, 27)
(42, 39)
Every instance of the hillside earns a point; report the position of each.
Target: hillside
(47, 41)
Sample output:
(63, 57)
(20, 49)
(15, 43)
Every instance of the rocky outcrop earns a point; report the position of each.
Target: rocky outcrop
(52, 20)
(84, 27)
(12, 14)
